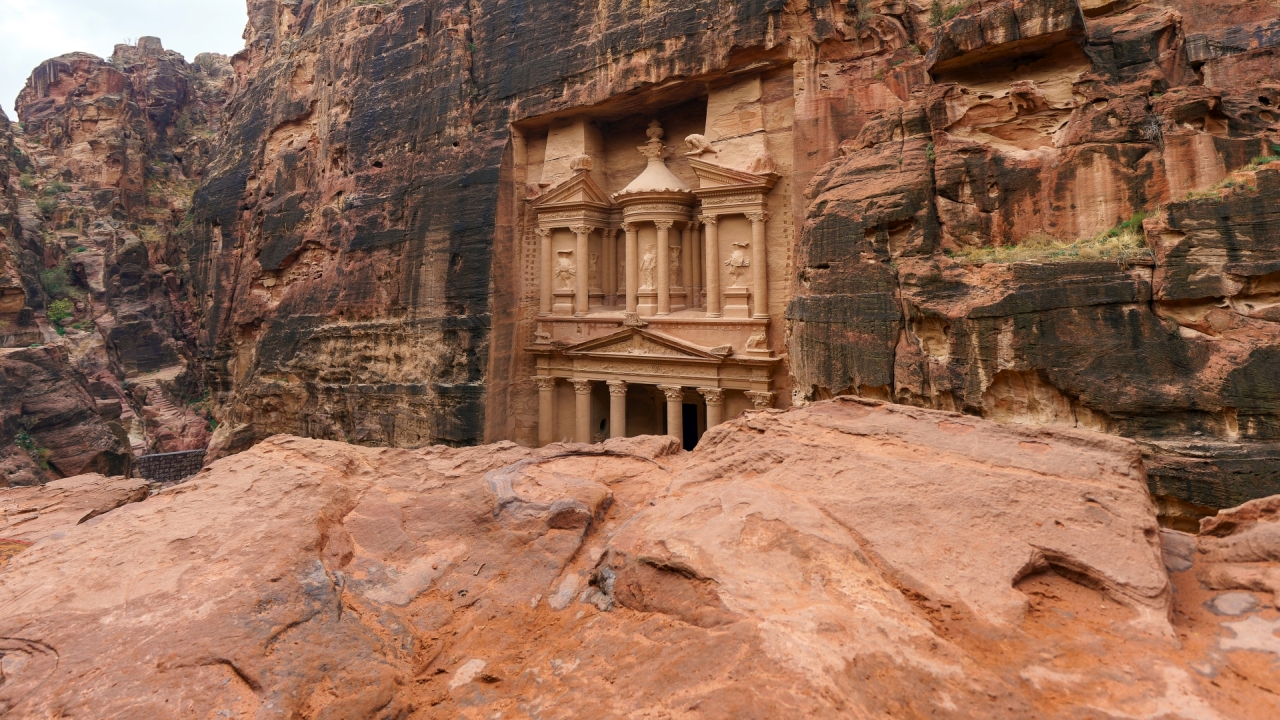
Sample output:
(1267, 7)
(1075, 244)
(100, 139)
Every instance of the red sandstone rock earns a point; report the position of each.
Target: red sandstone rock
(30, 514)
(845, 560)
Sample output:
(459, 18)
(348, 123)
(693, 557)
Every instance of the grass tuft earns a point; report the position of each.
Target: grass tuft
(1123, 243)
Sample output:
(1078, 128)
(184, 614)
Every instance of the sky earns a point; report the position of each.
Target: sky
(32, 31)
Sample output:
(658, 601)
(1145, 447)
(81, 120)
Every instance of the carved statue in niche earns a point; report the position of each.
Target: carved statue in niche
(565, 271)
(738, 263)
(674, 261)
(648, 266)
(593, 269)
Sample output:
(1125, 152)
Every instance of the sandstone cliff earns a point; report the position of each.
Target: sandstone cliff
(981, 248)
(971, 184)
(850, 559)
(108, 155)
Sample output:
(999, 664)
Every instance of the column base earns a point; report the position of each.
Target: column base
(647, 303)
(737, 303)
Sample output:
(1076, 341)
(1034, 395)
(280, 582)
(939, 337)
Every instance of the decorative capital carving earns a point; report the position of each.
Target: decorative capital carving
(714, 396)
(709, 219)
(544, 383)
(628, 227)
(761, 400)
(542, 232)
(664, 224)
(674, 393)
(582, 229)
(617, 388)
(758, 217)
(581, 387)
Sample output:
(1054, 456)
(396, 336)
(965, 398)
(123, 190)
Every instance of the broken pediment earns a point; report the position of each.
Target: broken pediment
(578, 191)
(711, 175)
(634, 342)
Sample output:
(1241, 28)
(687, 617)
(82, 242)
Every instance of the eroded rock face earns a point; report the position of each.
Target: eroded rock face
(1037, 120)
(50, 426)
(107, 158)
(850, 558)
(20, 253)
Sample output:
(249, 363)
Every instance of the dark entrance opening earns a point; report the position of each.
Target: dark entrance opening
(690, 426)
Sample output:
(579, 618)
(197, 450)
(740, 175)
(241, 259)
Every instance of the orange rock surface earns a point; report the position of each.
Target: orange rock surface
(848, 559)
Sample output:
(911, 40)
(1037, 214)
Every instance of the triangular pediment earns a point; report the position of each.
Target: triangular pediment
(634, 342)
(711, 175)
(577, 190)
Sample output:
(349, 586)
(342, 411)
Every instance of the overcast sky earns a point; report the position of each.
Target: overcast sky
(32, 31)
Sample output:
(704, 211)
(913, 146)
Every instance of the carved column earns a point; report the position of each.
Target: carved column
(633, 265)
(581, 296)
(761, 400)
(544, 271)
(695, 261)
(686, 264)
(664, 267)
(617, 409)
(546, 409)
(582, 411)
(609, 264)
(759, 265)
(712, 239)
(715, 405)
(675, 410)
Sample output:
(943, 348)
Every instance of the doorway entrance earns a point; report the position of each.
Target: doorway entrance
(690, 423)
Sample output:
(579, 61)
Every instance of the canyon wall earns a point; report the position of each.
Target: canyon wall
(358, 247)
(100, 177)
(353, 246)
(1037, 128)
(1038, 211)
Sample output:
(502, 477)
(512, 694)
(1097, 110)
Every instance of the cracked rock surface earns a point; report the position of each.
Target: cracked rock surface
(847, 559)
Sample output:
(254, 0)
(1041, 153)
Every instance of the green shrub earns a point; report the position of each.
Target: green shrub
(28, 181)
(54, 280)
(47, 205)
(60, 310)
(55, 187)
(939, 13)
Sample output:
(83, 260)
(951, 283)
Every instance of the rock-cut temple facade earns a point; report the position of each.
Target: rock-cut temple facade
(660, 243)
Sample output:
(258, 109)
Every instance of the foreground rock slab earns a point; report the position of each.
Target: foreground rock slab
(848, 559)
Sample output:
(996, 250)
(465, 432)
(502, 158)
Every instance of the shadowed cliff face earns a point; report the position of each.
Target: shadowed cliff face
(1042, 128)
(344, 245)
